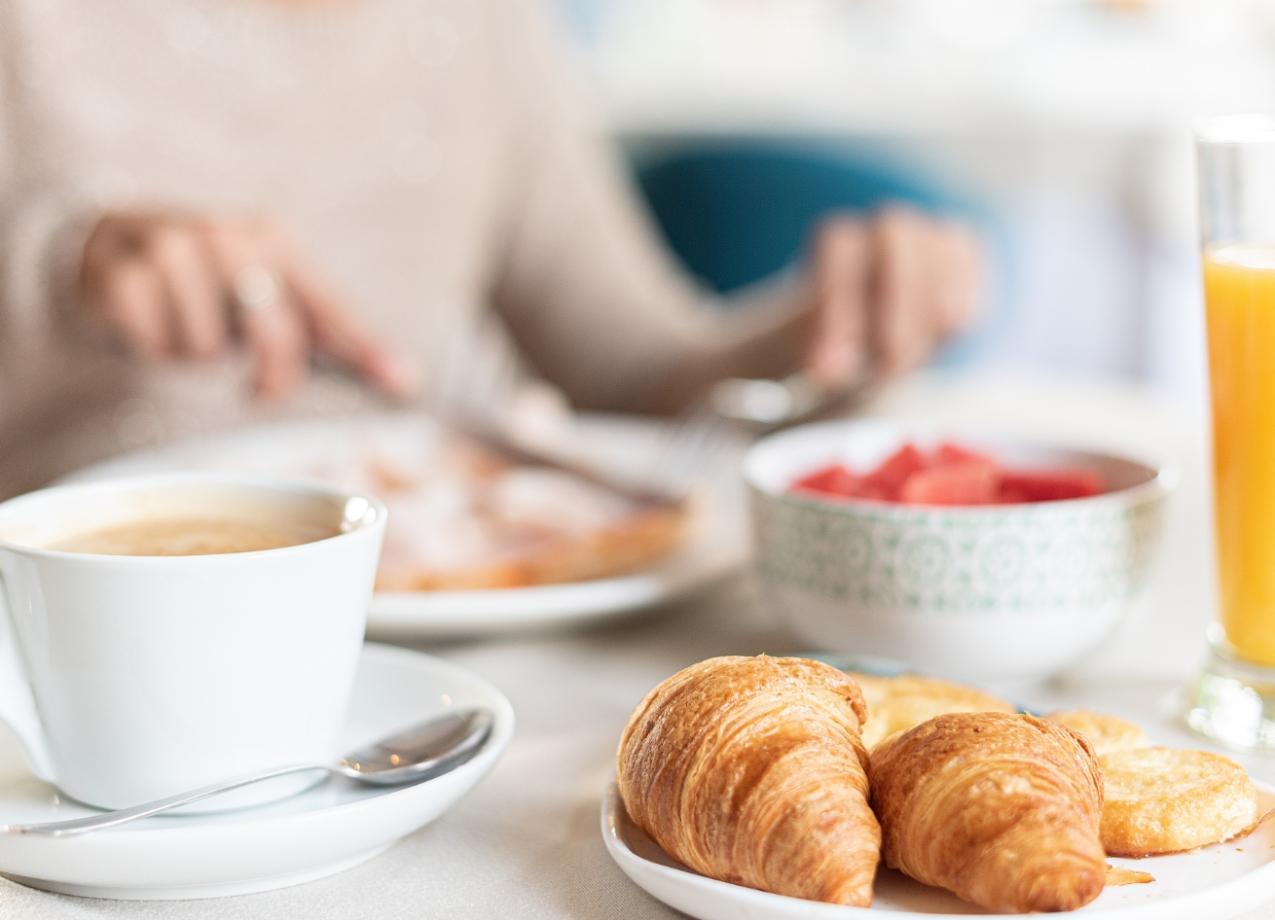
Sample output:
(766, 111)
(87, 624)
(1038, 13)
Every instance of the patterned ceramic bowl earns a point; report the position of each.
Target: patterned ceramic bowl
(1013, 592)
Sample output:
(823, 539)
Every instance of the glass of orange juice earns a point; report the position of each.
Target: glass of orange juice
(1233, 700)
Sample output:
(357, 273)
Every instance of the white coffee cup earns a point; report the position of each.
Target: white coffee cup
(127, 678)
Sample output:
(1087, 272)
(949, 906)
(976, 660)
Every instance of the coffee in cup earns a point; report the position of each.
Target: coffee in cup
(194, 536)
(165, 633)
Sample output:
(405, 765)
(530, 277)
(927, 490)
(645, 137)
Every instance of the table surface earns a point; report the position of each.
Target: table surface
(526, 842)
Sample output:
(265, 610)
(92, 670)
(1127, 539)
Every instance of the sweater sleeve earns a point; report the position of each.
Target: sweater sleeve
(43, 221)
(586, 287)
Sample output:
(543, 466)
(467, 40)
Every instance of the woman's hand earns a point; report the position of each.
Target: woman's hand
(177, 287)
(888, 289)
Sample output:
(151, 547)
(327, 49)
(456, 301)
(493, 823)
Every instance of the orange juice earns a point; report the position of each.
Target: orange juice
(1239, 295)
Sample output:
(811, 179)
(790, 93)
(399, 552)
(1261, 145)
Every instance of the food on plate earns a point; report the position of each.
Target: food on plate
(1117, 876)
(1162, 800)
(752, 771)
(1002, 810)
(948, 475)
(896, 704)
(1105, 734)
(465, 517)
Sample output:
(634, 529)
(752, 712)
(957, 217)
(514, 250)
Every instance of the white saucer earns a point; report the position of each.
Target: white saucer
(1216, 882)
(330, 827)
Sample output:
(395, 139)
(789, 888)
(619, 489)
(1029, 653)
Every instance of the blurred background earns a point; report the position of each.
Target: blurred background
(1061, 126)
(180, 183)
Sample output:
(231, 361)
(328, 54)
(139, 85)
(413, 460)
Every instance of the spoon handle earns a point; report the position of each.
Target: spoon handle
(78, 826)
(766, 404)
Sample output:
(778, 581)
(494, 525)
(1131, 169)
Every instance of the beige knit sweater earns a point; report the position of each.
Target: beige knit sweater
(430, 154)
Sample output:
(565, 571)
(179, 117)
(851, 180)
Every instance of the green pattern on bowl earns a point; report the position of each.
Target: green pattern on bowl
(963, 561)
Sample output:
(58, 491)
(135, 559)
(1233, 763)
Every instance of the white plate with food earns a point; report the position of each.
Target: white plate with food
(477, 545)
(1217, 882)
(753, 770)
(323, 830)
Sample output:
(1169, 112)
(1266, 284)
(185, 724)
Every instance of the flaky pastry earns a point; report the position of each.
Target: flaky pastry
(1162, 800)
(1105, 734)
(1002, 810)
(751, 770)
(896, 704)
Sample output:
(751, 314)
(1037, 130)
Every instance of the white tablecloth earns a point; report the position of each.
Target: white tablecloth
(526, 842)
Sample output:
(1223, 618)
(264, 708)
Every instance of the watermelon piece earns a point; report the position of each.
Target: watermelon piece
(888, 478)
(872, 493)
(1050, 485)
(1010, 496)
(949, 475)
(948, 452)
(828, 480)
(971, 482)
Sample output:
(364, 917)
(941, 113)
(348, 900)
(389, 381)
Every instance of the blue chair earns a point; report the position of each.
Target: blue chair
(737, 212)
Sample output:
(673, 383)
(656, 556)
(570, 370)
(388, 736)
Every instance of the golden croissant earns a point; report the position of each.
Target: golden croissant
(1002, 810)
(751, 770)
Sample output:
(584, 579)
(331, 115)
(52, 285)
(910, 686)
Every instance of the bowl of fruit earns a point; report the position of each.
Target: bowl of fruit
(970, 556)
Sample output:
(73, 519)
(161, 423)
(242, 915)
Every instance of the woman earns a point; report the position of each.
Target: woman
(200, 197)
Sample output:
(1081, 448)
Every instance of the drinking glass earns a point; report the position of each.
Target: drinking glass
(1233, 700)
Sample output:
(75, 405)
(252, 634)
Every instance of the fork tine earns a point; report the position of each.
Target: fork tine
(472, 379)
(475, 375)
(697, 436)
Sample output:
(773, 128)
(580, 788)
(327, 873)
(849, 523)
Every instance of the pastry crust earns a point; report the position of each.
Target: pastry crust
(1105, 734)
(628, 545)
(896, 704)
(1161, 800)
(465, 516)
(1002, 810)
(751, 770)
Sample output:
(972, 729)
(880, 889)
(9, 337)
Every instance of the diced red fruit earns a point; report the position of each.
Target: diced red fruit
(828, 480)
(951, 475)
(869, 492)
(1051, 485)
(948, 453)
(969, 482)
(888, 478)
(1007, 496)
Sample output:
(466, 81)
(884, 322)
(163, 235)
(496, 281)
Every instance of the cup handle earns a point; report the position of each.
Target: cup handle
(17, 706)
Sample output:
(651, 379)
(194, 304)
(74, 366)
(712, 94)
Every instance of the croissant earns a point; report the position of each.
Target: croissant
(751, 770)
(1002, 810)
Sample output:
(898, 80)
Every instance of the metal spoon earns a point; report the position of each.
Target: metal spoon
(764, 405)
(423, 751)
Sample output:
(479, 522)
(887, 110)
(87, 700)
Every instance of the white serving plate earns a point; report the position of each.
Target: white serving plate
(1212, 883)
(715, 547)
(329, 827)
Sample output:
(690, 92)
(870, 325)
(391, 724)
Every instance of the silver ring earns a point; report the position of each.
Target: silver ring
(257, 289)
